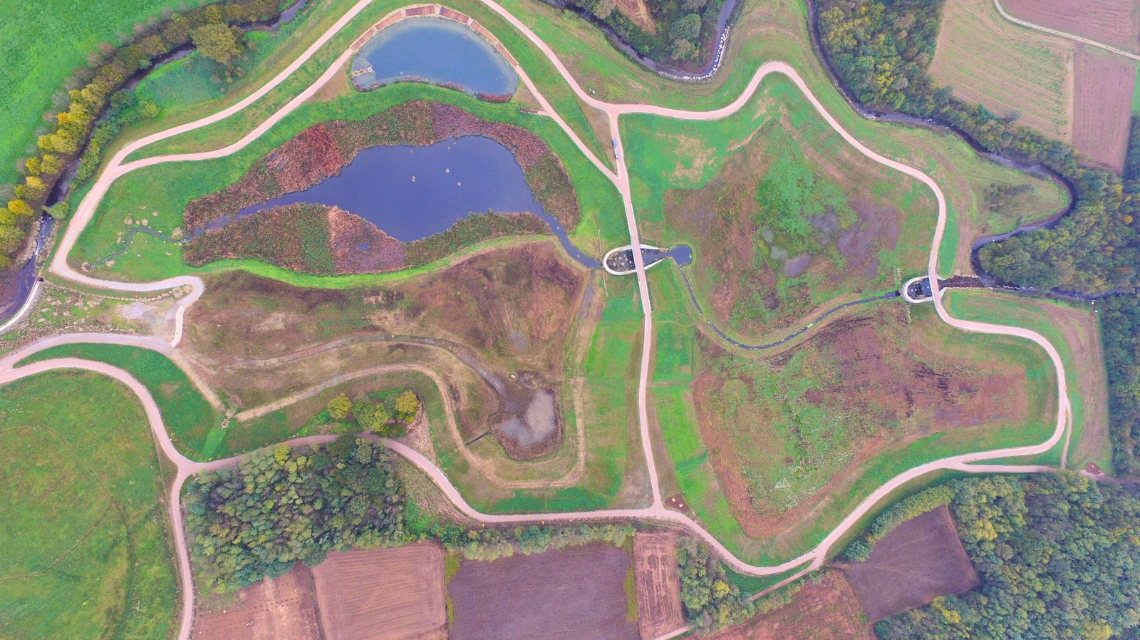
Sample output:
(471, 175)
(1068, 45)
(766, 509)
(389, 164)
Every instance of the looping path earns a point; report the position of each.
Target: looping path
(813, 559)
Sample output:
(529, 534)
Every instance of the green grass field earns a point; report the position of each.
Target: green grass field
(40, 43)
(191, 421)
(84, 549)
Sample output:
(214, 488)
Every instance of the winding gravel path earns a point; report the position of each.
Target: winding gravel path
(808, 561)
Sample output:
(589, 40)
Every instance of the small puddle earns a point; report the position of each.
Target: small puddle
(436, 51)
(412, 193)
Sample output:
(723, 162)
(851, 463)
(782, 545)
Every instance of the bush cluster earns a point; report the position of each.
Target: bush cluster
(680, 26)
(710, 601)
(1059, 557)
(488, 544)
(385, 414)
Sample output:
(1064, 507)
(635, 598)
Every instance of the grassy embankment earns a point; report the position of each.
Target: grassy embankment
(193, 425)
(772, 30)
(1074, 329)
(151, 258)
(40, 44)
(679, 360)
(85, 546)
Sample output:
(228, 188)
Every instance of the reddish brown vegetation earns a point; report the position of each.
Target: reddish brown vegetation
(872, 380)
(294, 237)
(658, 585)
(575, 594)
(1109, 21)
(359, 247)
(273, 609)
(324, 149)
(824, 611)
(920, 560)
(1102, 106)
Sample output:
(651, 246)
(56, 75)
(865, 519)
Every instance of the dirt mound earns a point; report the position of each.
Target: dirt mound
(273, 609)
(359, 247)
(920, 560)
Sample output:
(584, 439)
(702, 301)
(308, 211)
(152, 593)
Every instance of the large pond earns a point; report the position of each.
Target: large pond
(411, 193)
(433, 50)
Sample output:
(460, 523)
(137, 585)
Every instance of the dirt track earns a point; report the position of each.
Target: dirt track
(815, 557)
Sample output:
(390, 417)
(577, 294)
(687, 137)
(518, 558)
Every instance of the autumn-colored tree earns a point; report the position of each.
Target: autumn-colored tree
(407, 404)
(217, 42)
(339, 407)
(20, 208)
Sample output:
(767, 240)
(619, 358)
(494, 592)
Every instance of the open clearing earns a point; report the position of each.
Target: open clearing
(658, 585)
(577, 593)
(1102, 108)
(279, 608)
(1007, 68)
(383, 594)
(920, 560)
(824, 611)
(1114, 22)
(84, 545)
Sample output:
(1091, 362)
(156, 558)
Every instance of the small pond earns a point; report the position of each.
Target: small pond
(411, 193)
(433, 50)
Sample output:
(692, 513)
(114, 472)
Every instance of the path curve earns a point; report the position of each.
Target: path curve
(1063, 34)
(816, 556)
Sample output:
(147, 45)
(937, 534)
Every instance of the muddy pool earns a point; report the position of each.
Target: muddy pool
(436, 51)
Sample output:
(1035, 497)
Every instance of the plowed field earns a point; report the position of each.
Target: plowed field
(576, 594)
(1114, 22)
(383, 594)
(920, 560)
(1007, 68)
(1103, 106)
(277, 609)
(658, 585)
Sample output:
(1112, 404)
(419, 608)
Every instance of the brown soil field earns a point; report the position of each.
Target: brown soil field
(383, 594)
(1007, 68)
(658, 585)
(275, 609)
(824, 611)
(1102, 108)
(324, 149)
(1114, 22)
(572, 594)
(785, 432)
(920, 560)
(503, 316)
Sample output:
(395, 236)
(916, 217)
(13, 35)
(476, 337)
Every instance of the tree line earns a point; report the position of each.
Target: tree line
(93, 108)
(881, 51)
(1058, 554)
(685, 29)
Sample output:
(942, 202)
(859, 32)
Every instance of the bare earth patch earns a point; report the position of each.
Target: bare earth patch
(920, 560)
(824, 611)
(383, 594)
(658, 585)
(274, 609)
(574, 594)
(1102, 108)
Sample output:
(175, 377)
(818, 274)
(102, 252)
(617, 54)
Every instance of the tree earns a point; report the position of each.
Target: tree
(20, 208)
(687, 28)
(339, 407)
(58, 210)
(407, 404)
(217, 42)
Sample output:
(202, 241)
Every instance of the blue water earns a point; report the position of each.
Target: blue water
(436, 50)
(411, 193)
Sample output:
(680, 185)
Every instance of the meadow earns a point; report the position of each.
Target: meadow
(40, 44)
(85, 545)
